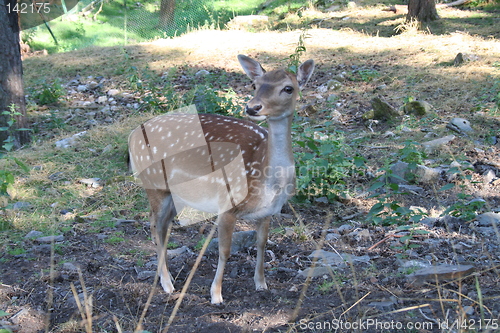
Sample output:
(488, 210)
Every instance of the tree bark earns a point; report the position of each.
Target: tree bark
(11, 73)
(422, 10)
(167, 11)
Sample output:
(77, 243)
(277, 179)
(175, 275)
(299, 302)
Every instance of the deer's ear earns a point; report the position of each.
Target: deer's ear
(304, 72)
(251, 67)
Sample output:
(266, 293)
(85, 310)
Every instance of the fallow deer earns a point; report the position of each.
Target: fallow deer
(227, 166)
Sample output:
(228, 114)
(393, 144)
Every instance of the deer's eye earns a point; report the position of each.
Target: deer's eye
(253, 86)
(288, 89)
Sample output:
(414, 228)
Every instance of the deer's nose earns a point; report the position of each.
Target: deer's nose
(253, 110)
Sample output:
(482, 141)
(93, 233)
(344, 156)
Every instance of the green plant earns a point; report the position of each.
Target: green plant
(16, 251)
(465, 207)
(294, 58)
(365, 74)
(411, 154)
(324, 162)
(6, 176)
(48, 93)
(116, 238)
(199, 244)
(388, 211)
(172, 245)
(412, 231)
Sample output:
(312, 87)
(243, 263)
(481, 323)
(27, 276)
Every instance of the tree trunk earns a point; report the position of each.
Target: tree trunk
(422, 10)
(11, 74)
(167, 10)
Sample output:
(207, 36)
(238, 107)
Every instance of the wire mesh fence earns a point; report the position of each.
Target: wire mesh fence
(122, 22)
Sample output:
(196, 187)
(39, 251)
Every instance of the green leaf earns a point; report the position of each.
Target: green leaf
(376, 186)
(3, 313)
(447, 187)
(22, 165)
(8, 146)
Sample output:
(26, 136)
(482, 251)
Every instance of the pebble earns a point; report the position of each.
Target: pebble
(50, 239)
(33, 234)
(20, 205)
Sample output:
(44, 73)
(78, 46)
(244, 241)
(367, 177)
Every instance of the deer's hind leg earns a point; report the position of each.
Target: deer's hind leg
(161, 216)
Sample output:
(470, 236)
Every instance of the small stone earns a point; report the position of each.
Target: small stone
(202, 72)
(50, 239)
(418, 108)
(102, 99)
(382, 110)
(144, 275)
(332, 237)
(488, 219)
(81, 87)
(71, 267)
(433, 145)
(91, 182)
(315, 272)
(333, 85)
(241, 241)
(345, 228)
(440, 273)
(177, 252)
(462, 58)
(113, 92)
(460, 125)
(33, 234)
(21, 205)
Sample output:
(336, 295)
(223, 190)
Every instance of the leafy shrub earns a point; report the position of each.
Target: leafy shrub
(323, 164)
(48, 93)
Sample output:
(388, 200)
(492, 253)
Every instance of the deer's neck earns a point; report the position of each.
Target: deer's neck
(279, 146)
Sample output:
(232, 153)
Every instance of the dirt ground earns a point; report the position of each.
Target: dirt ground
(372, 294)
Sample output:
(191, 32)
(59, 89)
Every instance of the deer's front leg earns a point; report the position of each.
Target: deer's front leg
(262, 233)
(226, 223)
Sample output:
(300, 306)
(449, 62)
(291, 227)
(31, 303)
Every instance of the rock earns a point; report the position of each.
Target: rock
(332, 98)
(384, 305)
(33, 234)
(440, 273)
(144, 275)
(69, 142)
(336, 259)
(462, 58)
(81, 87)
(418, 108)
(102, 99)
(202, 72)
(113, 92)
(332, 237)
(106, 150)
(333, 85)
(344, 229)
(381, 110)
(315, 272)
(177, 252)
(20, 205)
(91, 182)
(433, 145)
(460, 125)
(411, 188)
(488, 219)
(50, 239)
(429, 221)
(489, 176)
(71, 267)
(241, 241)
(421, 174)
